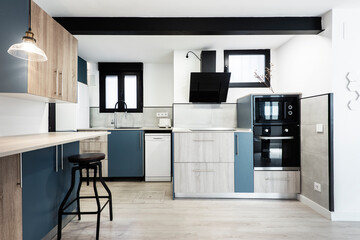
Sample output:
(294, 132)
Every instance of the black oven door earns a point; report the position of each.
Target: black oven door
(276, 152)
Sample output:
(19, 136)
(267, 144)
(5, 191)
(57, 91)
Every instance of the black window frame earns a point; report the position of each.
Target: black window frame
(120, 70)
(265, 52)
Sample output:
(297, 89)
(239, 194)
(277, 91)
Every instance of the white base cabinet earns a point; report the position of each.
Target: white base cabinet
(277, 181)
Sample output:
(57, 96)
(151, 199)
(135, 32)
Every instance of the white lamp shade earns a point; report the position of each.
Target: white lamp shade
(28, 50)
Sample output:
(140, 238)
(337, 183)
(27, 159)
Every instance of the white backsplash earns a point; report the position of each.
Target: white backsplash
(204, 115)
(145, 119)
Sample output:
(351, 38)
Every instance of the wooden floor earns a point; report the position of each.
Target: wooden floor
(147, 211)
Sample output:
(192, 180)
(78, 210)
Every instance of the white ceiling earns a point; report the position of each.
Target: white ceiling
(191, 8)
(159, 49)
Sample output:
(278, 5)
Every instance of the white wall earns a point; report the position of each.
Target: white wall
(303, 65)
(158, 84)
(346, 49)
(184, 66)
(18, 116)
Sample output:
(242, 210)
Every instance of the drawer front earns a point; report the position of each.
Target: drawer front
(94, 147)
(97, 139)
(277, 181)
(204, 147)
(204, 177)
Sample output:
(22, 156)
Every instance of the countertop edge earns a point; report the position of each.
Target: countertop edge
(68, 138)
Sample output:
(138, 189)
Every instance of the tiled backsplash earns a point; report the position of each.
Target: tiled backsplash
(145, 119)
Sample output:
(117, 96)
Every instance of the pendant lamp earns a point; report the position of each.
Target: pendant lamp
(27, 49)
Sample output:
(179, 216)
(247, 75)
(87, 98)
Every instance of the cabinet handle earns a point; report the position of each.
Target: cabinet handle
(20, 170)
(237, 144)
(62, 157)
(275, 138)
(56, 159)
(60, 83)
(277, 179)
(203, 140)
(139, 140)
(56, 82)
(200, 170)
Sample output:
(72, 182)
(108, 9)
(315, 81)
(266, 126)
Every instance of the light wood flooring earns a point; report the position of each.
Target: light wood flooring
(147, 211)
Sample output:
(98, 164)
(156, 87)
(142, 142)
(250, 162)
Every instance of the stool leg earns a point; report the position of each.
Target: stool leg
(97, 202)
(64, 202)
(78, 194)
(87, 176)
(108, 191)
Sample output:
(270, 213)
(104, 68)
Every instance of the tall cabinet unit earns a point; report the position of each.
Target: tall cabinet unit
(52, 81)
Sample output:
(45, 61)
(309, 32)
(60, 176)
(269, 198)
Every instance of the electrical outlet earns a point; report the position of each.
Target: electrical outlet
(317, 187)
(319, 128)
(162, 114)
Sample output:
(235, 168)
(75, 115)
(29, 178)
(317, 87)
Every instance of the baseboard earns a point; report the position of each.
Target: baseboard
(345, 217)
(316, 207)
(53, 231)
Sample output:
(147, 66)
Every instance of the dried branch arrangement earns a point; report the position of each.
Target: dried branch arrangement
(265, 78)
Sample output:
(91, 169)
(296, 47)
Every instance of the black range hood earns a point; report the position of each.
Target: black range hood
(208, 85)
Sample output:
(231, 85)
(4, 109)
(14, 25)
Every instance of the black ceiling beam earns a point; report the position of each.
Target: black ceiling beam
(191, 25)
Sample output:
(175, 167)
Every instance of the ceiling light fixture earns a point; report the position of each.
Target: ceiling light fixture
(187, 55)
(27, 49)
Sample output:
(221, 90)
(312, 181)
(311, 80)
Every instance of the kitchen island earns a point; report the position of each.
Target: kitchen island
(34, 177)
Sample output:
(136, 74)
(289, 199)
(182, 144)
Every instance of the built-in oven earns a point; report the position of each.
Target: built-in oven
(276, 109)
(276, 147)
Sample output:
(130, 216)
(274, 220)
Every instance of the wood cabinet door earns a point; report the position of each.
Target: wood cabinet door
(204, 147)
(72, 78)
(277, 181)
(204, 177)
(10, 198)
(39, 73)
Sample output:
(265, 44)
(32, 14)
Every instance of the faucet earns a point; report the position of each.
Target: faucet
(116, 108)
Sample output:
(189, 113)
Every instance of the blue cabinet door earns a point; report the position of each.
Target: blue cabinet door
(244, 163)
(44, 188)
(126, 155)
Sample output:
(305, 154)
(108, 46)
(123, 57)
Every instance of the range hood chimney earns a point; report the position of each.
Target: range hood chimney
(208, 61)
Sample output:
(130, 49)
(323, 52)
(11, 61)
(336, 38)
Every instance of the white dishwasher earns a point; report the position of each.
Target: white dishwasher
(157, 157)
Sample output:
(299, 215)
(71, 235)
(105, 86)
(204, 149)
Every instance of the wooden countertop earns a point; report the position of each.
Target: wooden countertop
(23, 143)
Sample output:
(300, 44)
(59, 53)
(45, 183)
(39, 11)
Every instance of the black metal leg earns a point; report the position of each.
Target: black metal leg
(97, 202)
(107, 189)
(87, 176)
(78, 194)
(64, 201)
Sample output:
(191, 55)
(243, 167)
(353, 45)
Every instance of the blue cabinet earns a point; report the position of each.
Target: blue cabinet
(44, 188)
(244, 163)
(126, 153)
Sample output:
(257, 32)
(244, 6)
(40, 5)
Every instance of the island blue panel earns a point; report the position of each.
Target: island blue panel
(244, 163)
(44, 188)
(125, 154)
(14, 23)
(82, 70)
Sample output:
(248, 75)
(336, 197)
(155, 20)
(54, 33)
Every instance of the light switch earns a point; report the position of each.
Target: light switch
(319, 128)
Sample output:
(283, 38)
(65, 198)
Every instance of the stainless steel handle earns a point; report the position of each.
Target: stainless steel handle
(200, 170)
(21, 178)
(56, 82)
(275, 138)
(60, 84)
(203, 140)
(237, 144)
(277, 179)
(56, 159)
(158, 138)
(62, 157)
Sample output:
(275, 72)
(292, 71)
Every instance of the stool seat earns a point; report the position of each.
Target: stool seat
(85, 158)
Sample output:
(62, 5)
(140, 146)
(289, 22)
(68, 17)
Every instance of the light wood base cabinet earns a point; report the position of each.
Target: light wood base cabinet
(10, 198)
(277, 181)
(204, 177)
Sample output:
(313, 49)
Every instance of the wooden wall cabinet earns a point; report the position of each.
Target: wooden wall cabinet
(204, 162)
(52, 81)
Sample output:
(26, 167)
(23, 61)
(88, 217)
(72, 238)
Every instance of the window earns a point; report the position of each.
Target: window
(119, 83)
(244, 63)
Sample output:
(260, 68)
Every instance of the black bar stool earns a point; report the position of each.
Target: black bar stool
(85, 161)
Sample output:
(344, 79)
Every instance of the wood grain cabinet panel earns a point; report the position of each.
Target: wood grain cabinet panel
(204, 177)
(277, 181)
(10, 198)
(204, 147)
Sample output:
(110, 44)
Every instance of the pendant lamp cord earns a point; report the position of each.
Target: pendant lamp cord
(29, 15)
